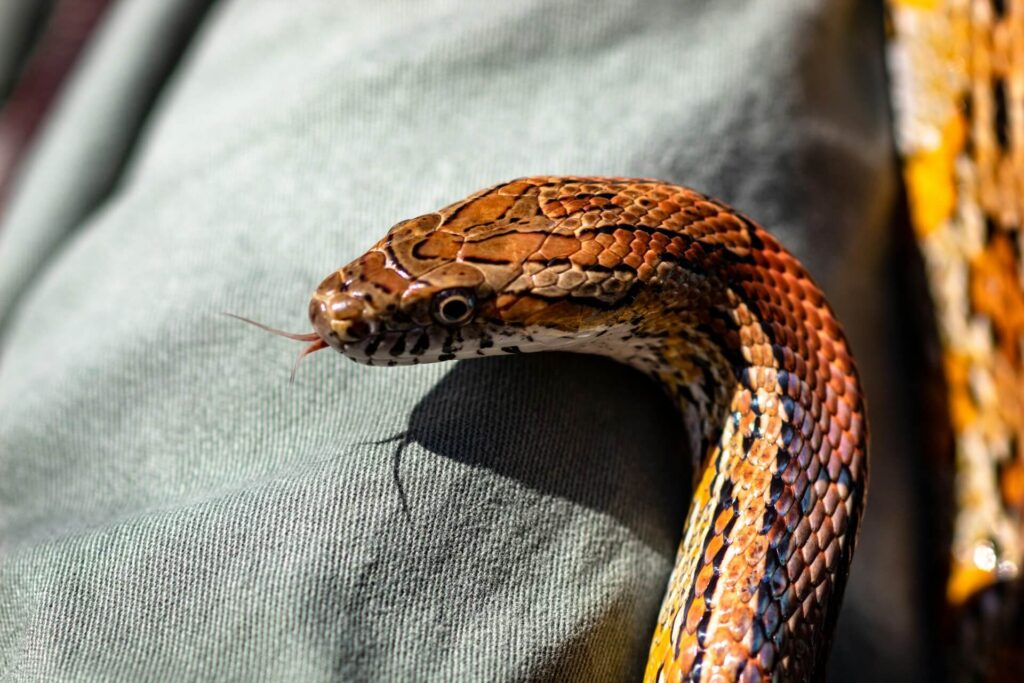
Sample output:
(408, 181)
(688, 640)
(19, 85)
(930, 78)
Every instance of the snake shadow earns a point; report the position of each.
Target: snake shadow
(587, 429)
(593, 432)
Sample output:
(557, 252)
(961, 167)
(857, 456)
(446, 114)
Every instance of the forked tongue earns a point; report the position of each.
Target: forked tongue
(316, 343)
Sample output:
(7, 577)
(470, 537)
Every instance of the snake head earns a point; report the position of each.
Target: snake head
(438, 288)
(380, 310)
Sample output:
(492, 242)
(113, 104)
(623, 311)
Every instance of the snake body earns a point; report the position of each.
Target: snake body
(709, 304)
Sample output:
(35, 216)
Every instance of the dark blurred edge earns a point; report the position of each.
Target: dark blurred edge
(16, 51)
(57, 50)
(52, 42)
(931, 435)
(151, 71)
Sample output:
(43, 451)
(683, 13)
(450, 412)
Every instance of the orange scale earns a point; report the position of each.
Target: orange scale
(632, 260)
(620, 249)
(554, 209)
(574, 205)
(756, 551)
(733, 572)
(722, 520)
(583, 258)
(695, 614)
(700, 585)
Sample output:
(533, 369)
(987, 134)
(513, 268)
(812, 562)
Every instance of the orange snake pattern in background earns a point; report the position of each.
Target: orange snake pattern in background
(958, 93)
(707, 303)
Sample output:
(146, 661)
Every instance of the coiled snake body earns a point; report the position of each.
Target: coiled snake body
(705, 301)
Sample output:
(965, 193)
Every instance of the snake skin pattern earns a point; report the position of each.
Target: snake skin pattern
(707, 303)
(958, 81)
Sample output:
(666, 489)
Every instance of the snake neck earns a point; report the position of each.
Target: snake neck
(761, 374)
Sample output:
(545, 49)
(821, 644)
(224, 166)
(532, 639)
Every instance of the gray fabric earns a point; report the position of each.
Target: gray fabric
(171, 507)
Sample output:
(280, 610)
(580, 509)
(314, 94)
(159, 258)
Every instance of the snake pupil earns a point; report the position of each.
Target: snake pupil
(454, 309)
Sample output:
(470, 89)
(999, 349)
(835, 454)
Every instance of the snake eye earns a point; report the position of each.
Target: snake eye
(453, 306)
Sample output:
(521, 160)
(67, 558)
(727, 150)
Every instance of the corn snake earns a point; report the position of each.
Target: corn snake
(710, 305)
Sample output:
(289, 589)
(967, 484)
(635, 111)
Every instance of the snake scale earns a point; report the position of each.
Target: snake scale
(705, 301)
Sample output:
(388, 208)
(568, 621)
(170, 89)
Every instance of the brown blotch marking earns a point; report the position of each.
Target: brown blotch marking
(487, 209)
(510, 248)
